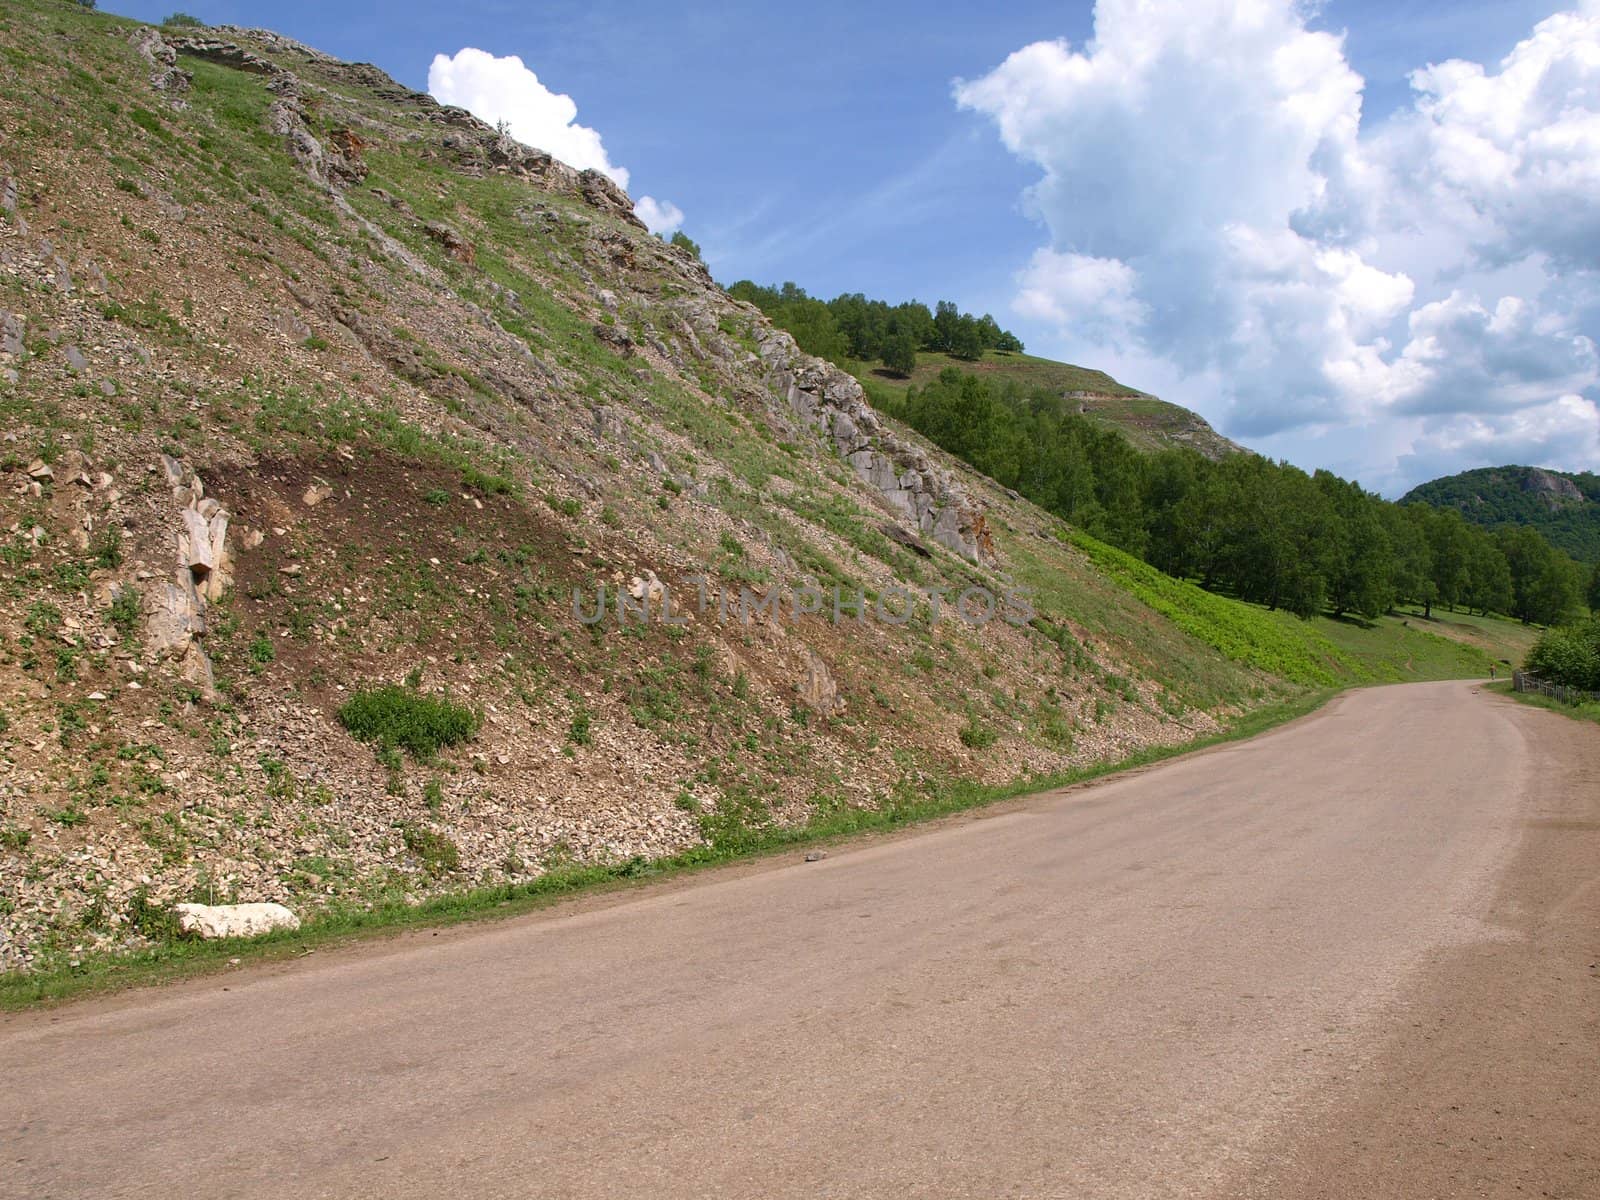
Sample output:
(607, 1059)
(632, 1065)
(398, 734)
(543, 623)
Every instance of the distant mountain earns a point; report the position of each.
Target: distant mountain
(1564, 507)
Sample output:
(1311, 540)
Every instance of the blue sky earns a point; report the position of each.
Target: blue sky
(824, 143)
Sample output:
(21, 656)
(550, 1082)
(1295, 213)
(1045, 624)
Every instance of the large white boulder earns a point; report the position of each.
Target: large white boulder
(233, 920)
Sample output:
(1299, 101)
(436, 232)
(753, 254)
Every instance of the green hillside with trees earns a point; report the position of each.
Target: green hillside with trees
(1245, 526)
(1564, 507)
(1128, 472)
(891, 348)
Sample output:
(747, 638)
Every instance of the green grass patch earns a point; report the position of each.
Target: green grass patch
(1502, 638)
(1395, 649)
(394, 716)
(1275, 642)
(438, 854)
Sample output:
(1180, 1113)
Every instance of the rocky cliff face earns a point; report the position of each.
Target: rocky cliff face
(919, 491)
(1556, 488)
(312, 386)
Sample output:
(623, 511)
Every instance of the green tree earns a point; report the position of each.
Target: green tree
(1593, 596)
(1558, 590)
(1569, 655)
(1359, 554)
(967, 341)
(1281, 537)
(862, 324)
(900, 353)
(1488, 587)
(1169, 476)
(1450, 543)
(1544, 582)
(1411, 560)
(868, 327)
(683, 241)
(946, 320)
(915, 319)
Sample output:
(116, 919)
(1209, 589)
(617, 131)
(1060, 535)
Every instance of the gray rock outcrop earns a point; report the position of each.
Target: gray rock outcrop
(162, 56)
(917, 490)
(11, 329)
(1552, 486)
(175, 608)
(817, 688)
(226, 54)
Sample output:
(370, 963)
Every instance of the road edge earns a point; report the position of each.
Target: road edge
(176, 959)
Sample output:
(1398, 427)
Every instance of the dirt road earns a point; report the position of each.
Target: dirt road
(1355, 957)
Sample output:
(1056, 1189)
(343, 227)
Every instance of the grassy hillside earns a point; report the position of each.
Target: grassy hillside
(1501, 639)
(1324, 651)
(320, 403)
(1273, 641)
(1564, 507)
(1150, 423)
(396, 387)
(1399, 649)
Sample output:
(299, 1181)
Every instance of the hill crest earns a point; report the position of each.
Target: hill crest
(1564, 506)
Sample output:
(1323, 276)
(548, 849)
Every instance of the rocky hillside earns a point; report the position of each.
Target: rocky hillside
(1564, 507)
(320, 404)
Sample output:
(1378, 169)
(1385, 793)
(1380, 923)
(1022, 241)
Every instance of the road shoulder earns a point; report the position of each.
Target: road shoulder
(1487, 1087)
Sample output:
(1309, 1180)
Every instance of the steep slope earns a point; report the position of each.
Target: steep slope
(1564, 507)
(1145, 420)
(310, 385)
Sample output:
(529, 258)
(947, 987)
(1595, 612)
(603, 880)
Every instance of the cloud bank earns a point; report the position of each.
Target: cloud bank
(498, 90)
(1218, 211)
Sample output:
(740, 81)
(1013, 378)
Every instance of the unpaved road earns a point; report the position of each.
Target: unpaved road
(1355, 957)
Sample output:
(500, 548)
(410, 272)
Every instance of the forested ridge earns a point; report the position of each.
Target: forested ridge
(853, 328)
(1565, 507)
(1264, 531)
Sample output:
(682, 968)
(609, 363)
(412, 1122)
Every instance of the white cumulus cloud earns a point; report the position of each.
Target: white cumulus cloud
(1515, 153)
(1465, 358)
(497, 89)
(1217, 210)
(659, 216)
(505, 90)
(1078, 289)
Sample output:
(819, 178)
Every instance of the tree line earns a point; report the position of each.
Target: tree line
(1264, 531)
(851, 327)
